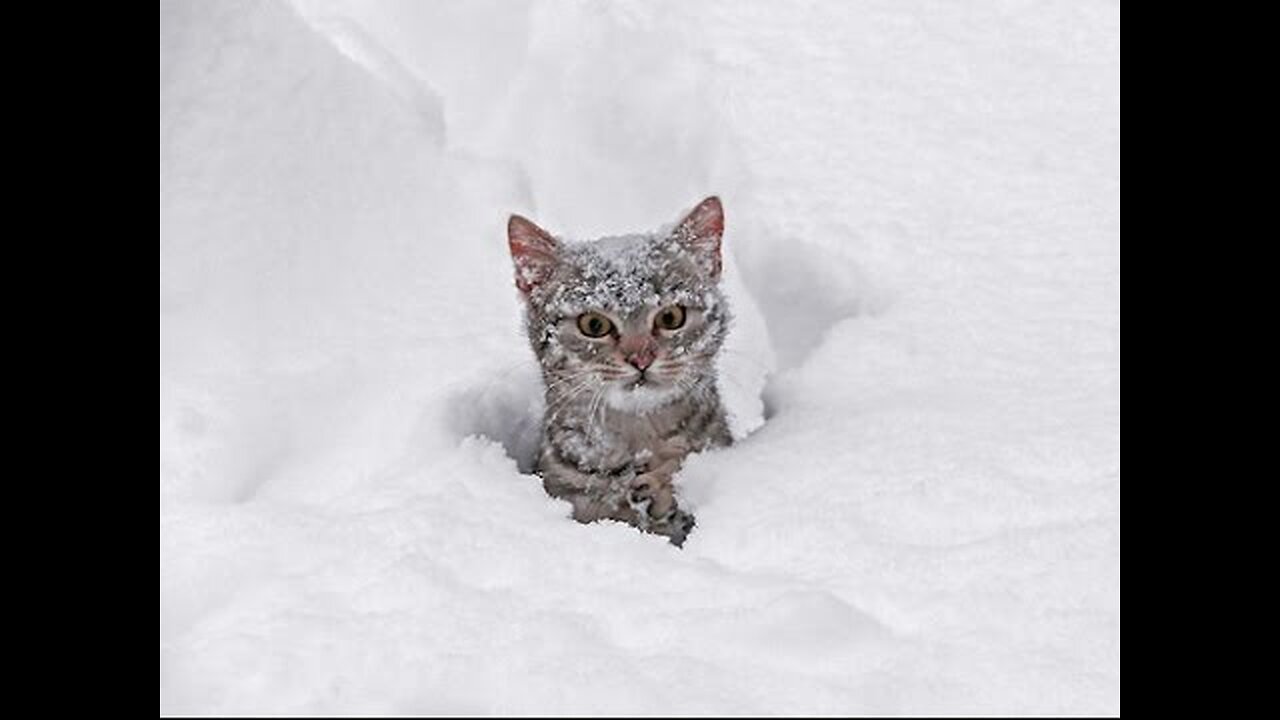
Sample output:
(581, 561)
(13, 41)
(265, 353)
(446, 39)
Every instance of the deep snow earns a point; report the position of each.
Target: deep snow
(923, 254)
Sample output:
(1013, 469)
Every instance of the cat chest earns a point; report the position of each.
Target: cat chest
(656, 436)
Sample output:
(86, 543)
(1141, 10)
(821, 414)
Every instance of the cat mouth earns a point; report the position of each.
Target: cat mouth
(641, 380)
(639, 395)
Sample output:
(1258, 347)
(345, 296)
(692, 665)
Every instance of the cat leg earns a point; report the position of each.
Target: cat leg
(592, 496)
(652, 497)
(646, 501)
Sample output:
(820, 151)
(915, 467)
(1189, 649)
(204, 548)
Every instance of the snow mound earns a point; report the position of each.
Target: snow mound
(922, 513)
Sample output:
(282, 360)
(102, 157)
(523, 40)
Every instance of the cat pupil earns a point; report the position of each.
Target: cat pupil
(593, 325)
(671, 318)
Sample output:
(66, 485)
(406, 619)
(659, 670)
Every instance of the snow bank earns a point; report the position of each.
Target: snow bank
(923, 248)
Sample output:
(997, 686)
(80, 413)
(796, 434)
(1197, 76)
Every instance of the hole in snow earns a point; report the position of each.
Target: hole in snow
(796, 291)
(802, 290)
(506, 409)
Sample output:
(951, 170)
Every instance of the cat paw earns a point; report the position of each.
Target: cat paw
(653, 499)
(651, 493)
(676, 527)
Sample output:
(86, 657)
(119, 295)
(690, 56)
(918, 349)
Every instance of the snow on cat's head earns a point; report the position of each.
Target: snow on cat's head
(634, 320)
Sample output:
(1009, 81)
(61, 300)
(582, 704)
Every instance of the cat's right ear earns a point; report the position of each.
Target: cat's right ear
(700, 233)
(533, 251)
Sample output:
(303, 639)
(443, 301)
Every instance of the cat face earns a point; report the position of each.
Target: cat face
(634, 321)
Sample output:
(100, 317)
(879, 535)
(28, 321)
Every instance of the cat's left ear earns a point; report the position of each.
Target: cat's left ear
(533, 251)
(700, 233)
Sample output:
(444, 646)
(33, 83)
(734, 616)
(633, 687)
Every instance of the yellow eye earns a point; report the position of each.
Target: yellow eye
(670, 317)
(594, 325)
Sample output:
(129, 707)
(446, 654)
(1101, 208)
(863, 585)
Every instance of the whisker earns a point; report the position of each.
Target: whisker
(561, 403)
(591, 414)
(567, 378)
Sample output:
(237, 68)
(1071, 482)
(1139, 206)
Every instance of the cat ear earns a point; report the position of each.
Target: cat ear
(700, 233)
(533, 250)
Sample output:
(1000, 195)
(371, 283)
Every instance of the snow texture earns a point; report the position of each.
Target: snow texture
(922, 253)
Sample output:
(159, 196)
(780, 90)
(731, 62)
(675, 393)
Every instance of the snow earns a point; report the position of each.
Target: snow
(922, 254)
(616, 274)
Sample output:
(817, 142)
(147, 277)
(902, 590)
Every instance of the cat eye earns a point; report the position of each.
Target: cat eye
(670, 317)
(594, 325)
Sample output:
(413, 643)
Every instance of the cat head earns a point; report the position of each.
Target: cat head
(636, 319)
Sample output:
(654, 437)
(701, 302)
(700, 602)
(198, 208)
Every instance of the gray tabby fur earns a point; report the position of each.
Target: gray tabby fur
(613, 436)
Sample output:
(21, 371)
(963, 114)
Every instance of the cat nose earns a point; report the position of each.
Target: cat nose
(640, 360)
(639, 350)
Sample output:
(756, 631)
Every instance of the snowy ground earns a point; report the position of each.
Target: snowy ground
(923, 204)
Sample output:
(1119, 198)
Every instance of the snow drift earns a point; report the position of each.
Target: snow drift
(923, 513)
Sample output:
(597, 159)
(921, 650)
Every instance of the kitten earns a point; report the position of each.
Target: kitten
(626, 330)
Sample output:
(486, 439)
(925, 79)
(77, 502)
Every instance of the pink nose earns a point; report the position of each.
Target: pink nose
(641, 360)
(639, 350)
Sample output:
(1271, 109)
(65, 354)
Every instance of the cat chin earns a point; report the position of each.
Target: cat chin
(639, 400)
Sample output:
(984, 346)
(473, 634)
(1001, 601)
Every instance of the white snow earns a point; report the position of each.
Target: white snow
(922, 253)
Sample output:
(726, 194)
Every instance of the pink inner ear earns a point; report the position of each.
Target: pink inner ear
(701, 230)
(706, 220)
(533, 250)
